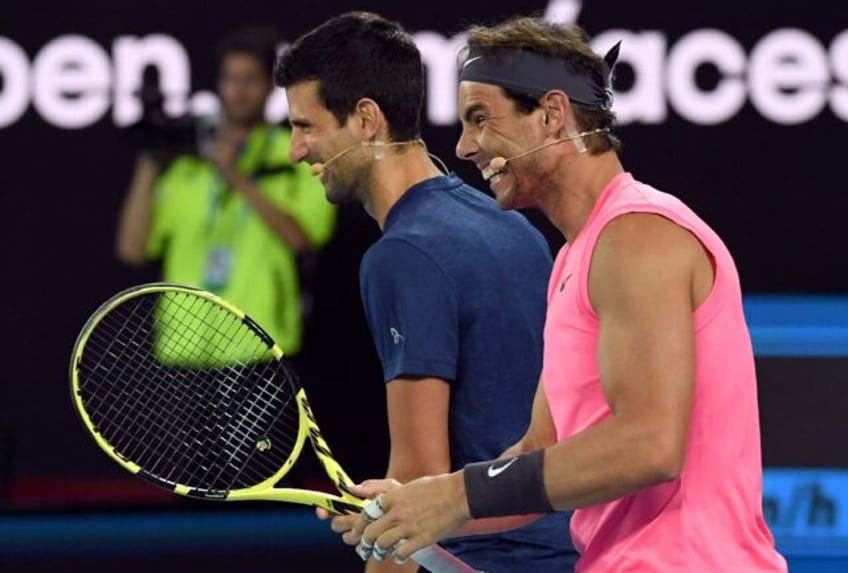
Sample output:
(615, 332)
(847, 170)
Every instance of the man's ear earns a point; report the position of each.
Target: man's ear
(368, 120)
(555, 108)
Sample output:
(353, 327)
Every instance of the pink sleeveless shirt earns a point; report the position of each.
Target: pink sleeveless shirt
(709, 519)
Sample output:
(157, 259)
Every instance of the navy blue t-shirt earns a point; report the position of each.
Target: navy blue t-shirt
(456, 289)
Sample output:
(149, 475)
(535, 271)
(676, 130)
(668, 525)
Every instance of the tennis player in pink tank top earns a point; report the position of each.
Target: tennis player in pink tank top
(645, 421)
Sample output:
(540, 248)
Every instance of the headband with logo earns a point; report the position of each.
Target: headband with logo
(535, 73)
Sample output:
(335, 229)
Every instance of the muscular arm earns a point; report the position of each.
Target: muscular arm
(541, 433)
(418, 427)
(648, 276)
(418, 431)
(135, 219)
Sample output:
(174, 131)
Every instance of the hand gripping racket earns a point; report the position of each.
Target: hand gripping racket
(184, 390)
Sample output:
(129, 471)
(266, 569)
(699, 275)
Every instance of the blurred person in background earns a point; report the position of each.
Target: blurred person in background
(232, 215)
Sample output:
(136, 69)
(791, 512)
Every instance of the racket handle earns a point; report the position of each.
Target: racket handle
(437, 559)
(434, 558)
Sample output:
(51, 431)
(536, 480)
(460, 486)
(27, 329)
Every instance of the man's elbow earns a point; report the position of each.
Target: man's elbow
(665, 460)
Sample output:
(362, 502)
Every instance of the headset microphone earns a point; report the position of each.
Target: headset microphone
(317, 169)
(497, 164)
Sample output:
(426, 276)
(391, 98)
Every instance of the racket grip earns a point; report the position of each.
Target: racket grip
(434, 558)
(438, 560)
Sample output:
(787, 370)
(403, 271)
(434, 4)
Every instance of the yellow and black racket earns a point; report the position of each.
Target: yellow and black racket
(184, 390)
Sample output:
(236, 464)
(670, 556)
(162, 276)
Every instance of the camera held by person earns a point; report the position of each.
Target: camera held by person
(165, 137)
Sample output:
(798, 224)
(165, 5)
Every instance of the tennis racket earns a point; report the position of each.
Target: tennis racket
(183, 389)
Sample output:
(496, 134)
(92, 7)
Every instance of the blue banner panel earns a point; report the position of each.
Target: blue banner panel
(791, 326)
(807, 510)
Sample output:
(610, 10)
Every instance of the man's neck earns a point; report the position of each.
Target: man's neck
(573, 188)
(394, 175)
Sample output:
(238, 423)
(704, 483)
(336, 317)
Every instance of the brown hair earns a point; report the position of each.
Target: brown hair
(570, 43)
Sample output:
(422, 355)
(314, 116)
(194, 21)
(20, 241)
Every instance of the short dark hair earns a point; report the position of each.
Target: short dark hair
(360, 55)
(570, 43)
(257, 41)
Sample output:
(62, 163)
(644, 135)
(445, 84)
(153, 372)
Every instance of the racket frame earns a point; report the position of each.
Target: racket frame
(344, 502)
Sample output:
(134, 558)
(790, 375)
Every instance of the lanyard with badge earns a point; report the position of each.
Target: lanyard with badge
(225, 222)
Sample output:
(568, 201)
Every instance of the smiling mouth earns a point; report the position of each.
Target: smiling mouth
(489, 173)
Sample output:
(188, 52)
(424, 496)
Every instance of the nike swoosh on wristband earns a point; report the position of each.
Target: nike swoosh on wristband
(493, 471)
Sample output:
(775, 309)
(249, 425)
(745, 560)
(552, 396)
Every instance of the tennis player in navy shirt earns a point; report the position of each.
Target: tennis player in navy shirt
(454, 291)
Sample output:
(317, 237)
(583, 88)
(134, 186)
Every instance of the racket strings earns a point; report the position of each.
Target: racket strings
(150, 406)
(186, 390)
(228, 379)
(252, 438)
(170, 415)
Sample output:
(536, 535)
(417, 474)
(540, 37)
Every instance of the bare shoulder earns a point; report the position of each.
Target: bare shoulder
(647, 233)
(640, 253)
